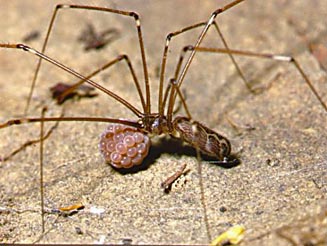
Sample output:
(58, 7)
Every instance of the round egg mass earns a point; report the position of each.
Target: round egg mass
(124, 146)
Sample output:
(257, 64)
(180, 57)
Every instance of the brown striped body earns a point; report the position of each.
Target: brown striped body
(201, 137)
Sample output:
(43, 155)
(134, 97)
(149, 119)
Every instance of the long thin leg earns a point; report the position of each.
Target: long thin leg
(181, 96)
(41, 167)
(282, 58)
(164, 96)
(76, 74)
(164, 60)
(119, 12)
(172, 82)
(31, 142)
(238, 69)
(179, 65)
(102, 68)
(203, 33)
(55, 119)
(203, 198)
(34, 141)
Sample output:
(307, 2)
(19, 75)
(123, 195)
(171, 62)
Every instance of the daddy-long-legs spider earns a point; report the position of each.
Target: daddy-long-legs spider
(221, 187)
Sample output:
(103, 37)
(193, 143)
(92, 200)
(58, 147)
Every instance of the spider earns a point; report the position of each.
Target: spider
(148, 122)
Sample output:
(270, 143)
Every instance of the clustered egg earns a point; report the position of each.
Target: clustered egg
(124, 146)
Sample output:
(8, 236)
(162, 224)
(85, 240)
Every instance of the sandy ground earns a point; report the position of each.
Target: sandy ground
(281, 180)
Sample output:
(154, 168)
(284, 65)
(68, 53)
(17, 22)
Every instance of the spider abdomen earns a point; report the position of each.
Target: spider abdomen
(123, 146)
(199, 136)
